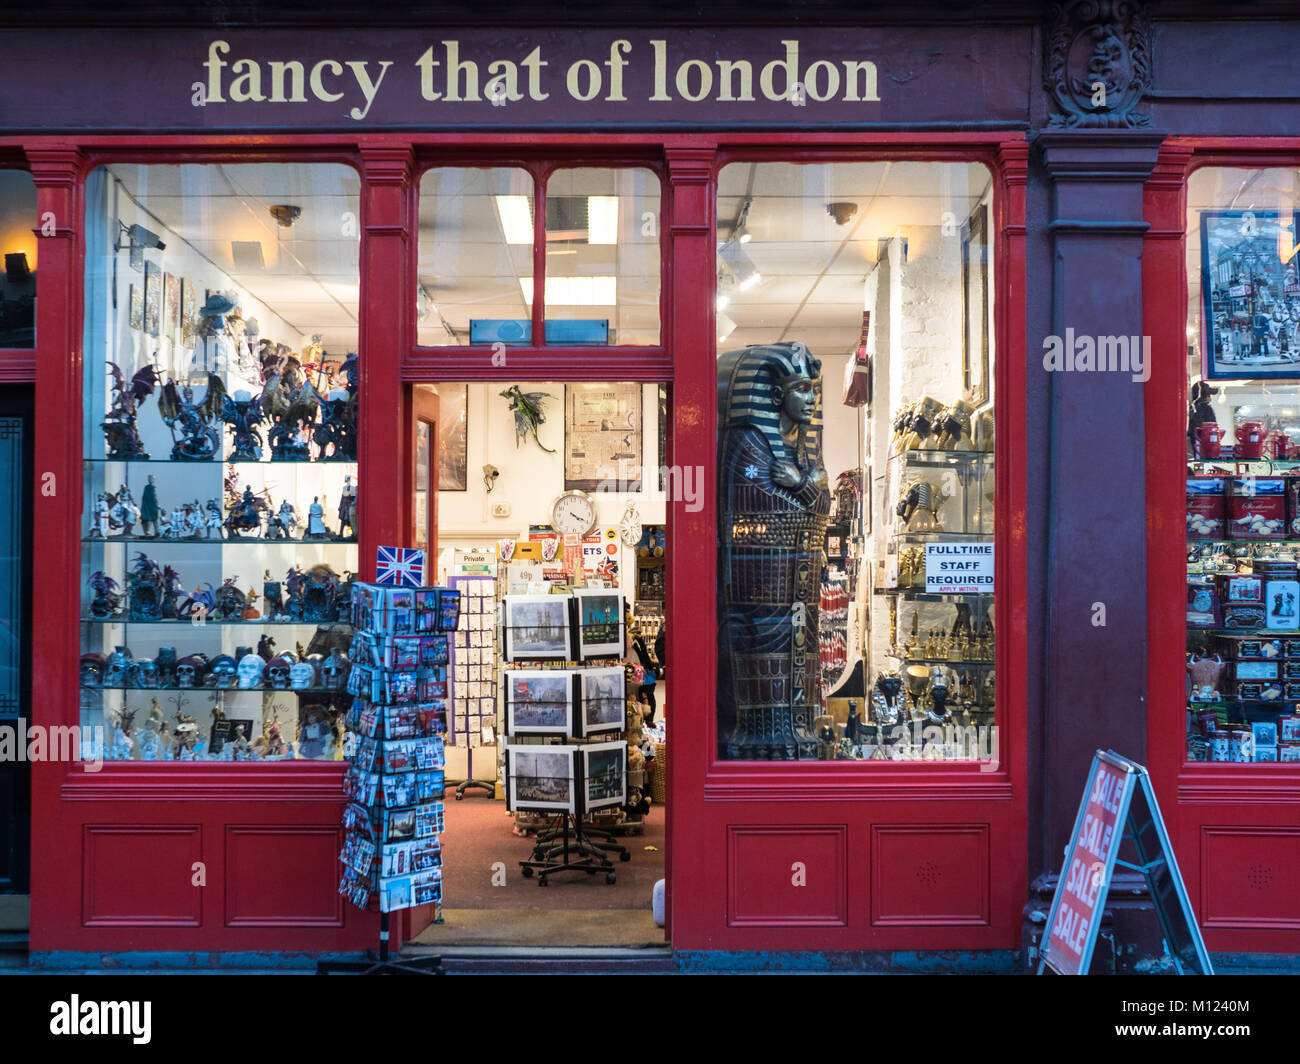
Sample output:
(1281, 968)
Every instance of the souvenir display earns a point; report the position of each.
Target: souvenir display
(391, 855)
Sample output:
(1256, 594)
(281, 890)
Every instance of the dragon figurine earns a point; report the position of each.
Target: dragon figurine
(199, 441)
(527, 408)
(119, 426)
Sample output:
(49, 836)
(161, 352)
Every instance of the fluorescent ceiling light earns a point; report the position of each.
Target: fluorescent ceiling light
(742, 267)
(722, 302)
(749, 282)
(602, 219)
(725, 327)
(516, 217)
(575, 291)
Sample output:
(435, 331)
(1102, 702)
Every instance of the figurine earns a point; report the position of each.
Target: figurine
(149, 509)
(942, 686)
(145, 589)
(120, 432)
(108, 599)
(773, 503)
(251, 670)
(243, 414)
(1206, 675)
(272, 597)
(229, 601)
(99, 526)
(266, 648)
(316, 521)
(124, 513)
(194, 522)
(853, 726)
(889, 702)
(123, 747)
(246, 514)
(213, 519)
(199, 441)
(280, 525)
(348, 509)
(919, 507)
(150, 744)
(337, 427)
(527, 408)
(290, 401)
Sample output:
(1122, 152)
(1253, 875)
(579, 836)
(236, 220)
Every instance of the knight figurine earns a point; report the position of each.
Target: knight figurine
(773, 507)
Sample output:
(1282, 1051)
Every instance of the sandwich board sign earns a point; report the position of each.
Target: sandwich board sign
(1119, 805)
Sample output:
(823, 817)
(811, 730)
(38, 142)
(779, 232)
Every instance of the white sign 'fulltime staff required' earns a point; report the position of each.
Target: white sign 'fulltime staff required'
(958, 568)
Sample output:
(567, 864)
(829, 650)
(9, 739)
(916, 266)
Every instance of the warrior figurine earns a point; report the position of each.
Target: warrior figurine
(773, 504)
(213, 520)
(316, 521)
(149, 509)
(348, 509)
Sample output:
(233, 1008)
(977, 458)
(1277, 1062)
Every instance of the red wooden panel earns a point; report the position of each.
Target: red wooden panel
(283, 876)
(778, 877)
(140, 875)
(1250, 877)
(929, 875)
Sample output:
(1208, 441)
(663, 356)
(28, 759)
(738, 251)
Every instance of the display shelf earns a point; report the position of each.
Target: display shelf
(945, 537)
(90, 541)
(1249, 633)
(210, 463)
(176, 623)
(314, 691)
(916, 457)
(982, 663)
(912, 595)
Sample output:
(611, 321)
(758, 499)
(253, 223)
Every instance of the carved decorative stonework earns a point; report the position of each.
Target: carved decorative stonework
(1098, 63)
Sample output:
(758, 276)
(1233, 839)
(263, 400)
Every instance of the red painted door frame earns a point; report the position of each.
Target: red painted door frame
(864, 810)
(1224, 819)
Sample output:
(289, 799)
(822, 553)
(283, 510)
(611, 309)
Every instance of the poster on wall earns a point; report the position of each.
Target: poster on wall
(171, 319)
(1250, 296)
(602, 437)
(189, 314)
(152, 298)
(975, 306)
(137, 306)
(453, 426)
(600, 557)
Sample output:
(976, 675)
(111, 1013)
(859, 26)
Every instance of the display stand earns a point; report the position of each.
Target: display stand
(392, 856)
(383, 966)
(573, 850)
(483, 673)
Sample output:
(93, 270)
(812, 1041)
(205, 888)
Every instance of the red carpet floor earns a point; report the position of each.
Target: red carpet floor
(479, 832)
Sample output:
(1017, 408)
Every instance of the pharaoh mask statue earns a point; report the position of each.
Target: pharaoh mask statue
(773, 502)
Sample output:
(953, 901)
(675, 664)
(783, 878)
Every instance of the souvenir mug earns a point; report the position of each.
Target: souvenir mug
(1279, 446)
(1208, 436)
(1250, 440)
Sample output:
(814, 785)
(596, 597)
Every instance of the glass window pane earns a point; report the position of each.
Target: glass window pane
(1243, 487)
(602, 257)
(476, 257)
(855, 464)
(18, 245)
(220, 477)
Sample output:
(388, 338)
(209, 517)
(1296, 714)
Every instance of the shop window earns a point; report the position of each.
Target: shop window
(602, 257)
(476, 257)
(18, 223)
(855, 462)
(476, 278)
(1243, 484)
(220, 435)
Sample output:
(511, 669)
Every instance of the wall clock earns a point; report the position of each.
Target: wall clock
(574, 513)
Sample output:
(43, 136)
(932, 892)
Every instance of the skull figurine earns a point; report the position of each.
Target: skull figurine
(251, 667)
(189, 671)
(278, 671)
(334, 669)
(144, 673)
(303, 676)
(224, 672)
(92, 669)
(119, 668)
(165, 662)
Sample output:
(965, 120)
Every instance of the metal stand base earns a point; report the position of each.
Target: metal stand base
(570, 851)
(461, 788)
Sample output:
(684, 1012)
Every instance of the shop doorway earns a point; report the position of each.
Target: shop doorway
(552, 491)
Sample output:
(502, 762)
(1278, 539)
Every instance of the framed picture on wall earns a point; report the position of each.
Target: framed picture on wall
(152, 298)
(189, 313)
(171, 319)
(602, 437)
(1250, 296)
(453, 428)
(975, 306)
(136, 304)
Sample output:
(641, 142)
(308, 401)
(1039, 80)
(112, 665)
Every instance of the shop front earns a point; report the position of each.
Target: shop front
(767, 316)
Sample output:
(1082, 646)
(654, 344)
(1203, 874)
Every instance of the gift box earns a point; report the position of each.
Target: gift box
(1241, 598)
(1203, 609)
(1258, 649)
(1257, 508)
(1206, 508)
(1282, 602)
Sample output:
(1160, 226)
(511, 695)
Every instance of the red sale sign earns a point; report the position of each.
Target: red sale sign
(1090, 859)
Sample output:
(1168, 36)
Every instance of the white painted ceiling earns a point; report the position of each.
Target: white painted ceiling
(311, 274)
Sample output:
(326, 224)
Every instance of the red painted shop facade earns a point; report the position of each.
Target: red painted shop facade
(1087, 230)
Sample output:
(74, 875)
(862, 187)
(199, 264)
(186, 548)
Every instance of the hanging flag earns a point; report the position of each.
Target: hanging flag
(399, 566)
